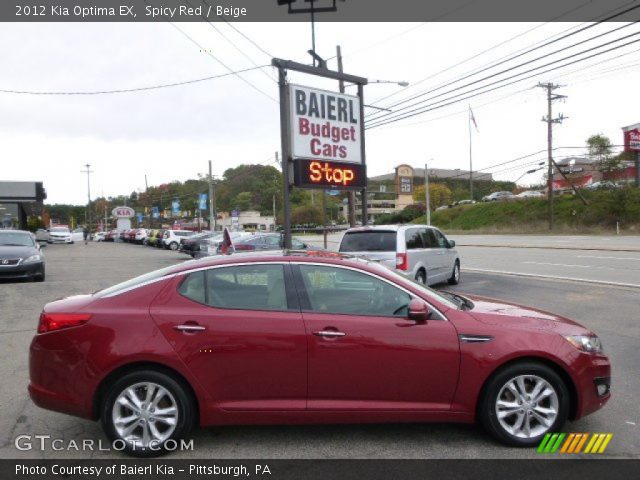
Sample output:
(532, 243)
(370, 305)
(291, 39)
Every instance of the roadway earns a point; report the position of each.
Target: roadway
(608, 310)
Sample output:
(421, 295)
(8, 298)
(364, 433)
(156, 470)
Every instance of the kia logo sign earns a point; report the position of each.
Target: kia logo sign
(123, 212)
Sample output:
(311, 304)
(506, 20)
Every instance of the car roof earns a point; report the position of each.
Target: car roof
(312, 256)
(387, 228)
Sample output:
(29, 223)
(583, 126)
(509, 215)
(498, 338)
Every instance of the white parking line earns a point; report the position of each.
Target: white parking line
(570, 279)
(637, 259)
(560, 264)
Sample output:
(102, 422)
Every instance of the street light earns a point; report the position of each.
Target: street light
(401, 83)
(533, 170)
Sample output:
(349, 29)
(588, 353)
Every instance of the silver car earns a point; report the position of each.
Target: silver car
(419, 252)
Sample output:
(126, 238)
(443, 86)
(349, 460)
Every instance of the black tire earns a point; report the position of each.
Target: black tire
(455, 275)
(173, 246)
(183, 399)
(487, 407)
(421, 277)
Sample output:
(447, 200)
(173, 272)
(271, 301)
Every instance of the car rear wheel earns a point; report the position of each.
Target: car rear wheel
(173, 246)
(146, 411)
(455, 275)
(523, 402)
(421, 277)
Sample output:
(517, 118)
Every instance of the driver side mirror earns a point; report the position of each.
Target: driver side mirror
(419, 311)
(452, 243)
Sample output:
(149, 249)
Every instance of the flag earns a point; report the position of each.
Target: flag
(473, 119)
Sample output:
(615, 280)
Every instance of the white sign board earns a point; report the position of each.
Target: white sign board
(324, 125)
(123, 212)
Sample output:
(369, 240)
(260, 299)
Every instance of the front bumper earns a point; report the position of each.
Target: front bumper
(592, 371)
(28, 270)
(60, 240)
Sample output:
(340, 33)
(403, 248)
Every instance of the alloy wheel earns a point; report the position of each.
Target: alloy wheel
(527, 406)
(145, 414)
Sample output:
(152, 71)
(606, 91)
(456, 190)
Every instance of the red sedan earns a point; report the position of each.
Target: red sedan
(278, 338)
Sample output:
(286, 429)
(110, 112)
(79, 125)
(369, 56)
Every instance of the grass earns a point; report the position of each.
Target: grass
(605, 208)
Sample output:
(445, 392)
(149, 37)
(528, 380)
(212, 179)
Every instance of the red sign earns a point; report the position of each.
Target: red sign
(632, 140)
(324, 174)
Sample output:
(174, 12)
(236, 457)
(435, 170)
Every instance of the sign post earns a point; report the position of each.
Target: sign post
(632, 144)
(322, 136)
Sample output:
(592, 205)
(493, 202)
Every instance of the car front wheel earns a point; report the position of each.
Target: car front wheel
(455, 275)
(523, 402)
(144, 412)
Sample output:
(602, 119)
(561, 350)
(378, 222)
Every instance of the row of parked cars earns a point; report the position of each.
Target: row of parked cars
(201, 244)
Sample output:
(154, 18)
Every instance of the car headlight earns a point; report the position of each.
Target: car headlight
(33, 258)
(586, 343)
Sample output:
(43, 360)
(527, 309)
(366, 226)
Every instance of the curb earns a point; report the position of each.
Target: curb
(566, 279)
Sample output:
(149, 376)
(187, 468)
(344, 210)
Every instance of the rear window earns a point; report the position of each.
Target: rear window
(369, 241)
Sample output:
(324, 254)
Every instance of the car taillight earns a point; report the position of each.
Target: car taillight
(401, 261)
(55, 321)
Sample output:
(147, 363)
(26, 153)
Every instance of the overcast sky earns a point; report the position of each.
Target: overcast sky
(170, 134)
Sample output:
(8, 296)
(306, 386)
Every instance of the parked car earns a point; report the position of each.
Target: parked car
(42, 235)
(171, 238)
(111, 235)
(191, 245)
(602, 185)
(20, 256)
(156, 240)
(211, 246)
(530, 194)
(315, 338)
(77, 235)
(419, 252)
(267, 241)
(495, 196)
(60, 235)
(99, 236)
(442, 207)
(140, 236)
(465, 202)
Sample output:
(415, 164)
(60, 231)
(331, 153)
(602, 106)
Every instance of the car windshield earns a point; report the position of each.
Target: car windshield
(17, 239)
(369, 241)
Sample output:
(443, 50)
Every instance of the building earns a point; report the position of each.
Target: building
(18, 201)
(583, 171)
(247, 220)
(404, 179)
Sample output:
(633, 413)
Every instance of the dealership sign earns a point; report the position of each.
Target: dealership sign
(632, 138)
(123, 212)
(325, 125)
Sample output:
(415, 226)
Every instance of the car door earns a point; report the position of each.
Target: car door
(364, 354)
(446, 254)
(240, 332)
(417, 254)
(435, 258)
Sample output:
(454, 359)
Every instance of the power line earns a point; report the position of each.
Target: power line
(242, 52)
(518, 54)
(426, 108)
(377, 115)
(137, 89)
(222, 63)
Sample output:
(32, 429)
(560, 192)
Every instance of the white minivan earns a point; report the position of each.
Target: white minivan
(419, 252)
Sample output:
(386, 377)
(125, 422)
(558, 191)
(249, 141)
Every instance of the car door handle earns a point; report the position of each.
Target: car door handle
(190, 328)
(329, 333)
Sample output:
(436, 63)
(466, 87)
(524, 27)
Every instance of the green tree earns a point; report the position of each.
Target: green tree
(439, 194)
(306, 215)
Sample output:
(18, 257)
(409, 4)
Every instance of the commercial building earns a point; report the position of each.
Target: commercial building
(18, 201)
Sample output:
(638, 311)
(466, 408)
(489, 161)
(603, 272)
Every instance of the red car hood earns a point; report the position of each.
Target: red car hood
(498, 312)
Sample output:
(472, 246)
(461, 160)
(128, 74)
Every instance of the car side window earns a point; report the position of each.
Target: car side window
(413, 239)
(343, 291)
(247, 287)
(192, 287)
(441, 241)
(272, 241)
(430, 238)
(297, 244)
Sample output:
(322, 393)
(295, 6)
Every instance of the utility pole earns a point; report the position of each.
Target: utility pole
(88, 171)
(275, 221)
(551, 97)
(426, 193)
(351, 207)
(212, 202)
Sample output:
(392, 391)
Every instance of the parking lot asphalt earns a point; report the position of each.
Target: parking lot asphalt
(79, 268)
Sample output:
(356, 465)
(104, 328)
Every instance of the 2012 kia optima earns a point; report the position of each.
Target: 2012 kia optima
(284, 337)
